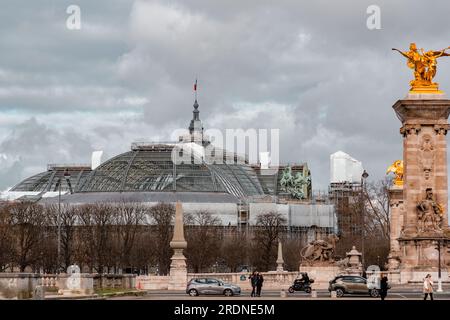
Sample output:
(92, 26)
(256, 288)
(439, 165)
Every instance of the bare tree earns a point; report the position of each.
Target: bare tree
(128, 219)
(162, 216)
(5, 238)
(68, 224)
(291, 253)
(28, 221)
(203, 240)
(96, 235)
(371, 224)
(234, 251)
(269, 227)
(377, 218)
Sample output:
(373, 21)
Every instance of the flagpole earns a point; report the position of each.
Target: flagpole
(196, 78)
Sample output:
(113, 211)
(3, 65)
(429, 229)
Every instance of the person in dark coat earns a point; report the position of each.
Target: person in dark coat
(383, 287)
(253, 281)
(259, 284)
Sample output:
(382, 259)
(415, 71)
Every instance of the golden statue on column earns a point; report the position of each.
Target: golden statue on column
(424, 65)
(397, 169)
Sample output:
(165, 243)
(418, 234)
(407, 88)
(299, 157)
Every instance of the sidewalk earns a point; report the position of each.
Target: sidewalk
(96, 295)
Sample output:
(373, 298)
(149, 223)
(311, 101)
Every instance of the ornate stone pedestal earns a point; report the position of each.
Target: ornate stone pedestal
(321, 274)
(421, 211)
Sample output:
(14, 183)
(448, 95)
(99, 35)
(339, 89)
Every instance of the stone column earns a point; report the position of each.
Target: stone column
(424, 129)
(280, 260)
(424, 154)
(396, 225)
(178, 269)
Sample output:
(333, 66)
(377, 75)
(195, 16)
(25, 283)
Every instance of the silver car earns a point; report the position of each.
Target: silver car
(211, 286)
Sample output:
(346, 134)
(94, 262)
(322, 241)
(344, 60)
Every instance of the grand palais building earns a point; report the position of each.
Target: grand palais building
(236, 192)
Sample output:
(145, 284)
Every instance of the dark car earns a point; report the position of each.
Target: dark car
(205, 286)
(352, 285)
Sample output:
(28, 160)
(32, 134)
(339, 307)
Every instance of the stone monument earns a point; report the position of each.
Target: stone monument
(317, 259)
(280, 260)
(351, 265)
(419, 204)
(178, 269)
(319, 251)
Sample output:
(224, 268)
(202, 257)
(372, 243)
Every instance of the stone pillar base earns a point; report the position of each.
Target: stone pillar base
(321, 275)
(178, 273)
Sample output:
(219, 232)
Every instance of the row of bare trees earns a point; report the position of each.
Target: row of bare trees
(129, 236)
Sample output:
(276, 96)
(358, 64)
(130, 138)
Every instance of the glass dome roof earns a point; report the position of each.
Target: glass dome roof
(151, 168)
(50, 180)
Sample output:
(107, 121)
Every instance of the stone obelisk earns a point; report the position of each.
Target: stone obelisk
(280, 260)
(178, 270)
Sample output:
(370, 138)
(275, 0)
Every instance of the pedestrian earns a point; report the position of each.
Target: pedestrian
(383, 287)
(259, 284)
(428, 287)
(253, 281)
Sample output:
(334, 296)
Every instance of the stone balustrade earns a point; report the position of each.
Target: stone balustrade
(49, 281)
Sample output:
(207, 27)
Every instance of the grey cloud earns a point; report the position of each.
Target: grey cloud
(312, 69)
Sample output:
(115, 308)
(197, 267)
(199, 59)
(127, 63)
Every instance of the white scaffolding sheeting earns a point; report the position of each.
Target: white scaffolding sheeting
(344, 168)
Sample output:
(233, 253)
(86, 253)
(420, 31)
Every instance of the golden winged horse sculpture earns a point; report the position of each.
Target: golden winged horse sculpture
(397, 169)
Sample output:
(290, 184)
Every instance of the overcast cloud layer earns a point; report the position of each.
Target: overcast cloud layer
(310, 68)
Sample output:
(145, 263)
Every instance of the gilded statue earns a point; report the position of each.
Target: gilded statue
(430, 213)
(397, 169)
(424, 65)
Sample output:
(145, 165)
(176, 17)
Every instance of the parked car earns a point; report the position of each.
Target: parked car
(352, 285)
(205, 286)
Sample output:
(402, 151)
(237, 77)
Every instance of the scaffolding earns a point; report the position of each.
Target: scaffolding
(345, 196)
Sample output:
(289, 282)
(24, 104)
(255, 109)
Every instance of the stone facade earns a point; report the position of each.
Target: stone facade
(419, 211)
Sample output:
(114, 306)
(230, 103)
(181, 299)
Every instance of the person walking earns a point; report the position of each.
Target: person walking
(428, 287)
(253, 281)
(259, 284)
(383, 287)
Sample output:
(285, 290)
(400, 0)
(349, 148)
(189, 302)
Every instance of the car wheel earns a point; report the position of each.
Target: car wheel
(339, 292)
(193, 292)
(308, 290)
(374, 293)
(228, 292)
(291, 290)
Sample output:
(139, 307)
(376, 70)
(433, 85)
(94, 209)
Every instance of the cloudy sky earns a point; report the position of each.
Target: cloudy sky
(309, 68)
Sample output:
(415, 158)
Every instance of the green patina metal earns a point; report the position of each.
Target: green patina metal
(294, 185)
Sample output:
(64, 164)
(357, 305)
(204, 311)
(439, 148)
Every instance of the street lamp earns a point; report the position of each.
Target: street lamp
(66, 176)
(363, 189)
(439, 289)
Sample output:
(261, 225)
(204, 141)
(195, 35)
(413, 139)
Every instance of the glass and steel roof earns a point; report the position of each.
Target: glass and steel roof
(49, 181)
(151, 168)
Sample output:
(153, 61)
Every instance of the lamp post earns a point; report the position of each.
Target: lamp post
(439, 289)
(363, 189)
(67, 177)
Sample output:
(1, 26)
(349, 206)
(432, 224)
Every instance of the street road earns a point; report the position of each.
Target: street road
(394, 294)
